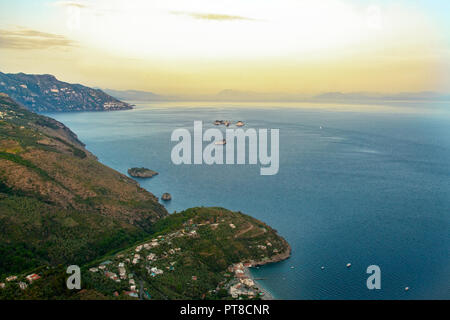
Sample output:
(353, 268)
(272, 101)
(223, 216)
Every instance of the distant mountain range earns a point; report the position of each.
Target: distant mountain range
(241, 96)
(236, 95)
(368, 96)
(44, 93)
(135, 95)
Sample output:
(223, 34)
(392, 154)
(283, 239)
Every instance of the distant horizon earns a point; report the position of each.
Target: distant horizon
(432, 95)
(233, 95)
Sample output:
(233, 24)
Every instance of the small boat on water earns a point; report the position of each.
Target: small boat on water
(240, 124)
(221, 143)
(227, 123)
(349, 265)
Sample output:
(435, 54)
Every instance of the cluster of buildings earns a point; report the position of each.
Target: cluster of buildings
(106, 268)
(155, 256)
(141, 254)
(7, 115)
(227, 123)
(112, 105)
(62, 90)
(243, 285)
(22, 285)
(224, 122)
(32, 277)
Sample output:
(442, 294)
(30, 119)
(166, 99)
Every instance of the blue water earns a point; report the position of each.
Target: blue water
(371, 187)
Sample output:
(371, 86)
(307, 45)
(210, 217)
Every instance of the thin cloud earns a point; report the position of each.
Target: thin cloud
(28, 39)
(84, 5)
(76, 4)
(212, 16)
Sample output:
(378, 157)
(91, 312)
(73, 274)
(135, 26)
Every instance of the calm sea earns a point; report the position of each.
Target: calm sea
(359, 184)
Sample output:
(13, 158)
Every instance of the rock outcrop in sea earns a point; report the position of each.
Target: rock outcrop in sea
(142, 173)
(166, 197)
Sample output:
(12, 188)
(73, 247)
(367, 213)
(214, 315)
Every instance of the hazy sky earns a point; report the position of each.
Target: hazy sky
(205, 46)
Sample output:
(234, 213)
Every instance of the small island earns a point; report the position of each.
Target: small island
(142, 173)
(166, 197)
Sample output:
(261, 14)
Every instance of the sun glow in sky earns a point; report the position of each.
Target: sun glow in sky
(195, 47)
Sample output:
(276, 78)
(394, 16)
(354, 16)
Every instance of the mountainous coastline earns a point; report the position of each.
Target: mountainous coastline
(59, 206)
(200, 253)
(44, 93)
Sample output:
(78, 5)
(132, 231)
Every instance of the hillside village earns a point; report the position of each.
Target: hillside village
(161, 255)
(45, 93)
(171, 265)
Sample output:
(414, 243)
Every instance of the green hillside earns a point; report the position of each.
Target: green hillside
(58, 204)
(195, 254)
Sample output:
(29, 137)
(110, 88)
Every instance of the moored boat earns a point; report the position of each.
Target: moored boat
(223, 142)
